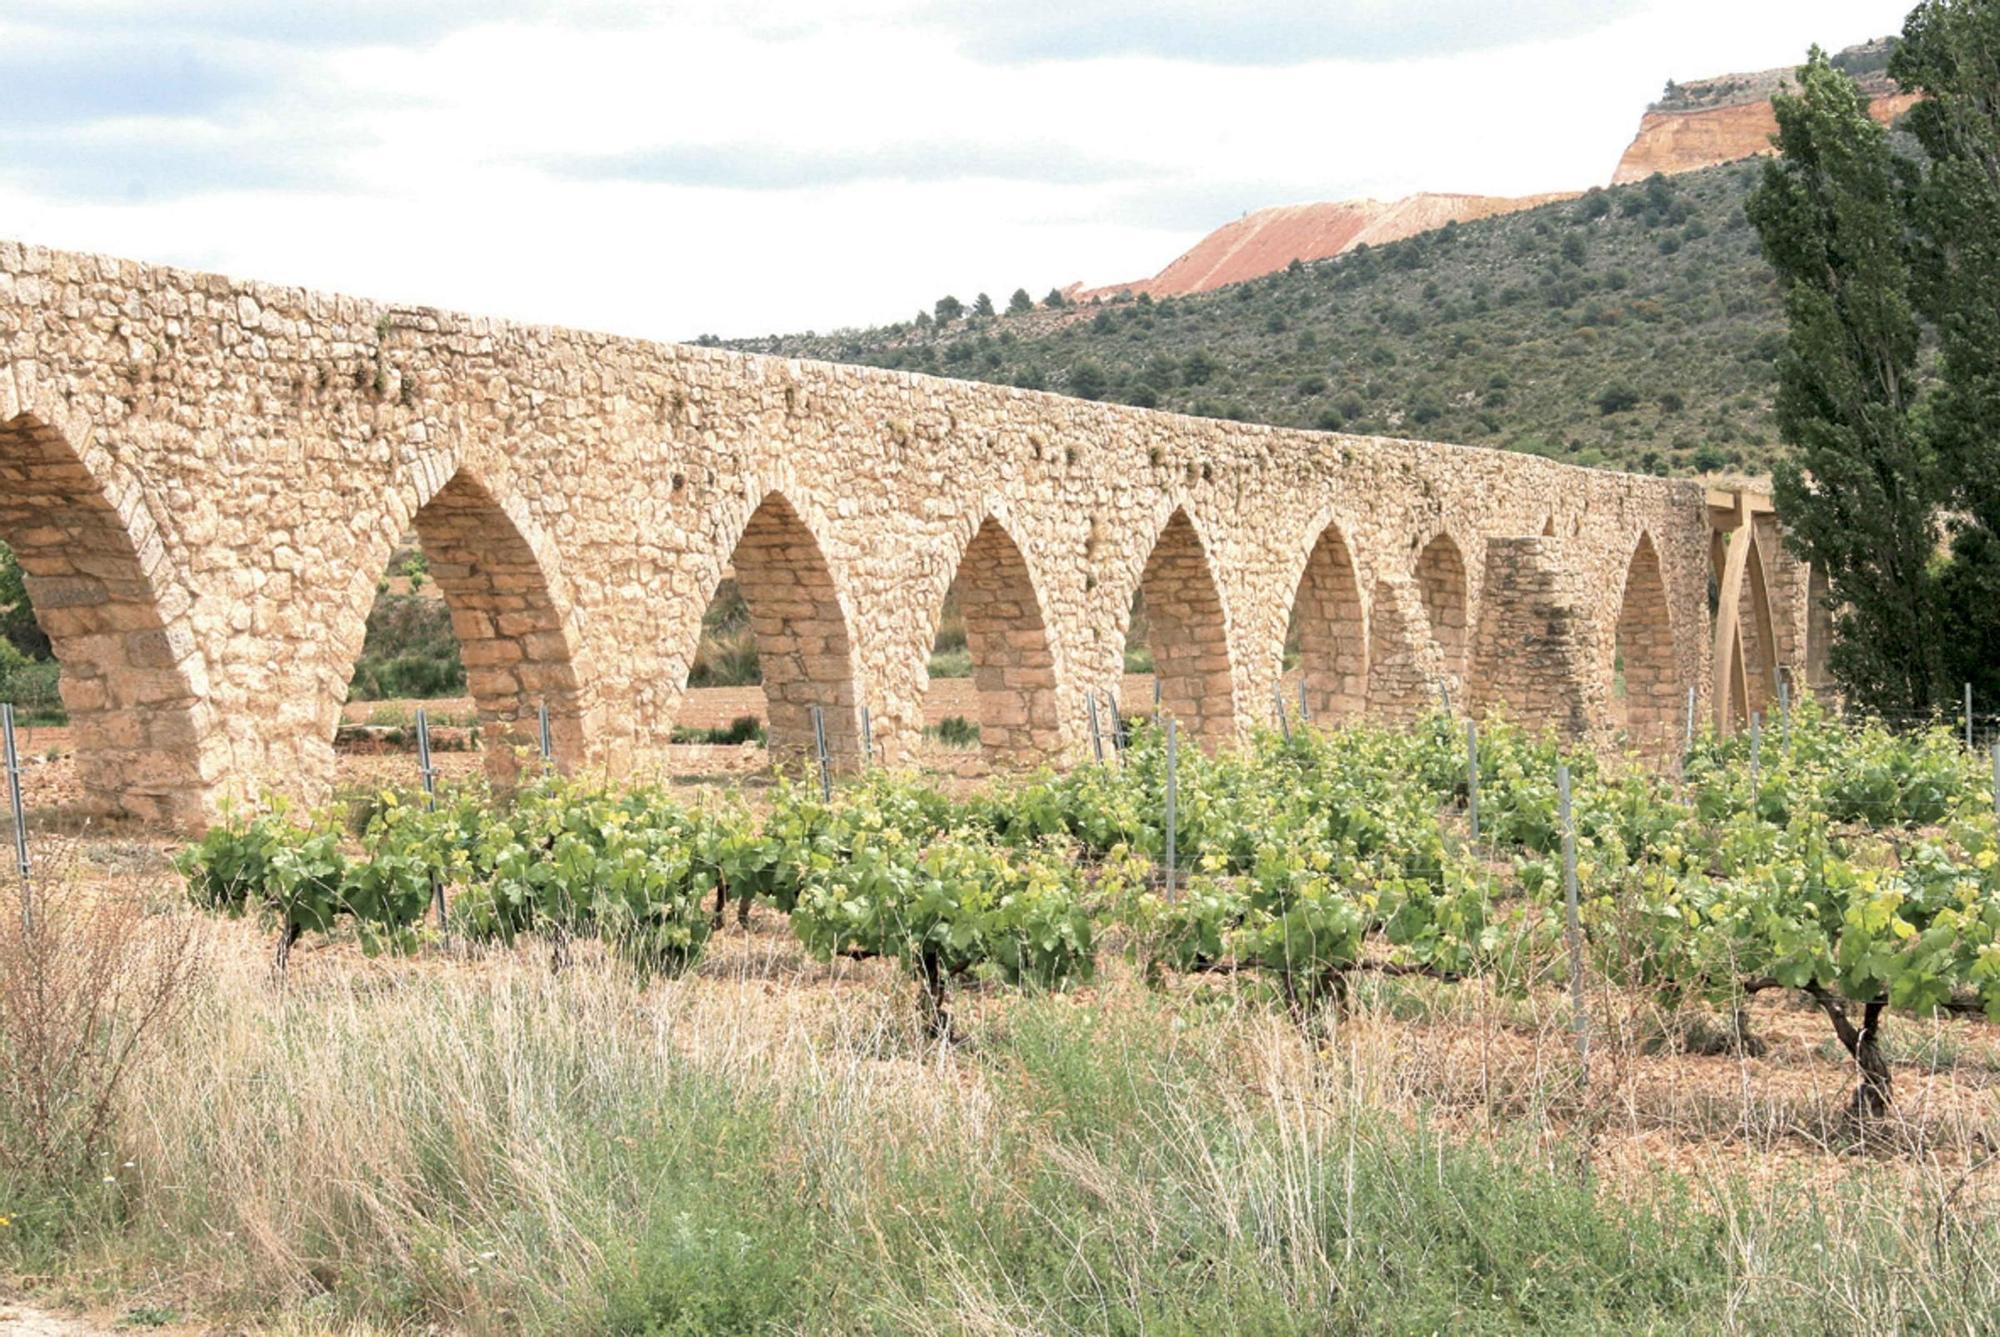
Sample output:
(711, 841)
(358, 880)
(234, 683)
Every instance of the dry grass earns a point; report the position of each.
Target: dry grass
(84, 980)
(472, 1142)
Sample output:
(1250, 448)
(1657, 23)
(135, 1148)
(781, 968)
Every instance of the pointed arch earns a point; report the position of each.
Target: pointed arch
(1006, 633)
(1757, 639)
(1331, 629)
(511, 613)
(1644, 649)
(1188, 634)
(805, 650)
(132, 679)
(1441, 580)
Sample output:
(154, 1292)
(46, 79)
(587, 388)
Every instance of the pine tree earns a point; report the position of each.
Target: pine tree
(1862, 495)
(1020, 302)
(982, 305)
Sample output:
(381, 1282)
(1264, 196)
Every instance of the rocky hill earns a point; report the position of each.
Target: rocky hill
(1636, 326)
(1702, 123)
(1729, 117)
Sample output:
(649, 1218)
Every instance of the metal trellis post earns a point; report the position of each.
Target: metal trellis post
(1173, 758)
(1581, 1020)
(1472, 775)
(1756, 754)
(13, 761)
(429, 774)
(819, 748)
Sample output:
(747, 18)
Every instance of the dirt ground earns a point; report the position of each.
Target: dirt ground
(51, 788)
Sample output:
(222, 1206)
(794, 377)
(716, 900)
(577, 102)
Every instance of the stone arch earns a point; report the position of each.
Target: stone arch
(1441, 580)
(1188, 632)
(133, 682)
(1013, 661)
(1332, 629)
(805, 650)
(511, 614)
(1757, 639)
(1644, 647)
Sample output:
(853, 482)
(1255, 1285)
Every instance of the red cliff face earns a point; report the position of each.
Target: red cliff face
(1268, 240)
(1683, 141)
(1729, 117)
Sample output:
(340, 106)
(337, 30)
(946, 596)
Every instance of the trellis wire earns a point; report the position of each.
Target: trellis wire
(819, 748)
(428, 772)
(1096, 734)
(1580, 1021)
(13, 760)
(1173, 758)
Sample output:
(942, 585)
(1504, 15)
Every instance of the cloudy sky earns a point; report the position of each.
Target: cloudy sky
(747, 166)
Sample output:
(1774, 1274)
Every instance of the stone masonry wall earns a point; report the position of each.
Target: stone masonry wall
(205, 478)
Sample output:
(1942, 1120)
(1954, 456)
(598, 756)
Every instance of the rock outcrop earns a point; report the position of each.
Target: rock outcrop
(1724, 119)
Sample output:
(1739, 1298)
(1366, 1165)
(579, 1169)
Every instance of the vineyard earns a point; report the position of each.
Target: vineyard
(1856, 868)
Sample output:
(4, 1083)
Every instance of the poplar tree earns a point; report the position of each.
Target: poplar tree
(1861, 495)
(1950, 54)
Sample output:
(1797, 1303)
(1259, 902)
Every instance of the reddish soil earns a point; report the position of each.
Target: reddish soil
(1270, 239)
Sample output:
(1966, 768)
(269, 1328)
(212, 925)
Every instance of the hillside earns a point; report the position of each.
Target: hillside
(1635, 326)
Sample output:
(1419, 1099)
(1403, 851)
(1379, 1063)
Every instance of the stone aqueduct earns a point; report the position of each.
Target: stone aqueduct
(204, 479)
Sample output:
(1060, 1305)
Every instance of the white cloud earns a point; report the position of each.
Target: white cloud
(745, 168)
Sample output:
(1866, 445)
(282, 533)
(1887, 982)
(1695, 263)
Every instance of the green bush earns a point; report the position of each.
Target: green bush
(954, 731)
(409, 651)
